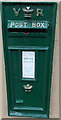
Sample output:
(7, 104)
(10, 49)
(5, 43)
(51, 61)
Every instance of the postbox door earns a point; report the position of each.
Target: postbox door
(28, 78)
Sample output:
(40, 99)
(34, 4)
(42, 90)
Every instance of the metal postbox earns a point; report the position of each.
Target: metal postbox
(28, 39)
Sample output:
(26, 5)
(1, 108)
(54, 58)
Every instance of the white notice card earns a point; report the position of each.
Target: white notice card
(28, 64)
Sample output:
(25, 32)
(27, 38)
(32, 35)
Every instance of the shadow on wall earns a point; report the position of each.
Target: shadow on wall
(28, 119)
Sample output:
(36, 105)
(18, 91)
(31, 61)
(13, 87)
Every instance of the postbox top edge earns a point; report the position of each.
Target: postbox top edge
(8, 2)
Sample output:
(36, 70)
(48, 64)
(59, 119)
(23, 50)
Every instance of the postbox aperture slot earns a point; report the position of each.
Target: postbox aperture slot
(26, 30)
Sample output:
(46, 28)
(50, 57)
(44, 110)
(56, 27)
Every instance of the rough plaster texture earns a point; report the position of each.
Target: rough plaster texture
(54, 104)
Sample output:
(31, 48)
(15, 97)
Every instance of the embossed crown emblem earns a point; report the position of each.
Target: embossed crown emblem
(28, 12)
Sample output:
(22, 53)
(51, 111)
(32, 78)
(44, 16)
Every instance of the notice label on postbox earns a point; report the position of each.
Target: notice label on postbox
(28, 64)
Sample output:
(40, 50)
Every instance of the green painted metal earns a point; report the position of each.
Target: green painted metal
(35, 103)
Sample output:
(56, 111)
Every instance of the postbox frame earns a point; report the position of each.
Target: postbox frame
(5, 56)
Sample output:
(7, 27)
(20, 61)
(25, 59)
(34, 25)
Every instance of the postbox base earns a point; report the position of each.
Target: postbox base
(20, 114)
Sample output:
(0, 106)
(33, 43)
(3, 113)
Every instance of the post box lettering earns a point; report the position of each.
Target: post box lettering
(39, 12)
(26, 24)
(27, 9)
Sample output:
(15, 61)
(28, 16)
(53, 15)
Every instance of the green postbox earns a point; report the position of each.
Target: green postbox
(28, 40)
